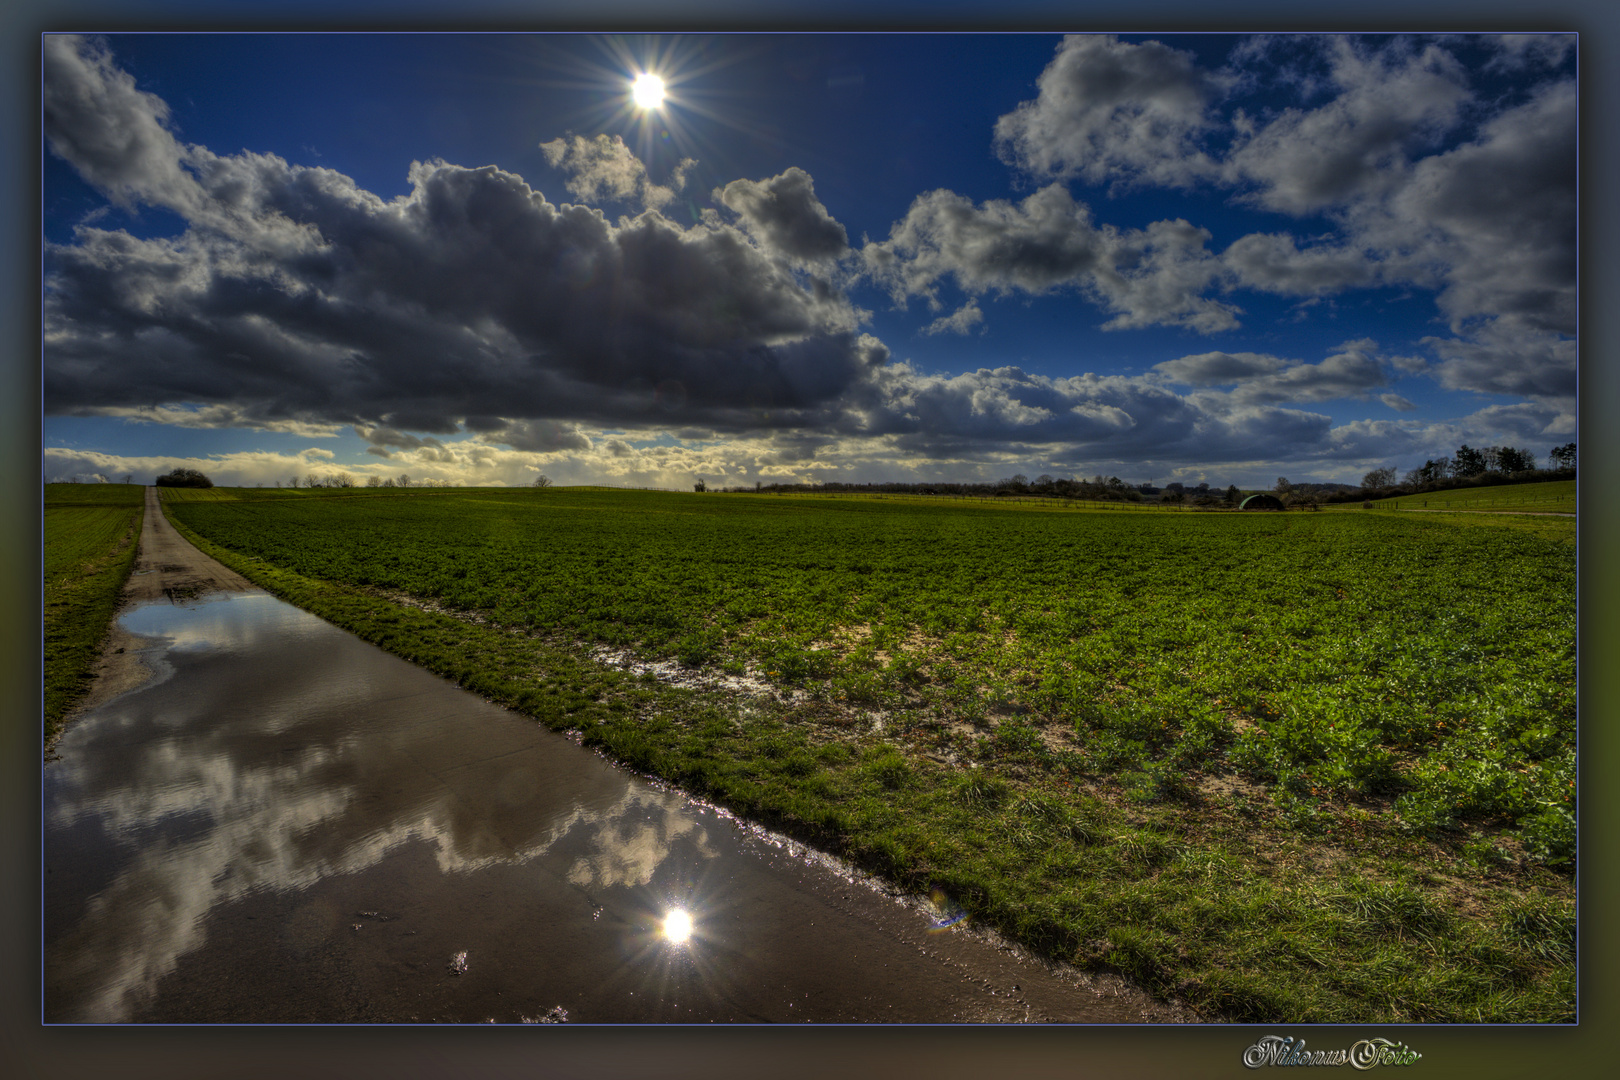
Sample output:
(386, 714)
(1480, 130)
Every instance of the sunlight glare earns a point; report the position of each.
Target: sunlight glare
(678, 926)
(647, 90)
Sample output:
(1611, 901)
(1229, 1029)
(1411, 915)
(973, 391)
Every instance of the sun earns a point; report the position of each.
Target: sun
(647, 90)
(678, 926)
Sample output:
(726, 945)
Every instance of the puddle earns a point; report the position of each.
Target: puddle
(297, 827)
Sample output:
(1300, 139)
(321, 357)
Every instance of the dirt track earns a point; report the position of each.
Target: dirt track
(166, 565)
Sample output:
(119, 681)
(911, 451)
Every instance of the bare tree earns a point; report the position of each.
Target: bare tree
(373, 481)
(542, 481)
(1379, 478)
(311, 480)
(129, 478)
(404, 479)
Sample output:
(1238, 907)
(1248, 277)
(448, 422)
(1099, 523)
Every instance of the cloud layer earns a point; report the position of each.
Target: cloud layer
(476, 327)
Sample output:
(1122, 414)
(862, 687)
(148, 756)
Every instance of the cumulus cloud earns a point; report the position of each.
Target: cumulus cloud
(475, 331)
(210, 417)
(960, 321)
(1385, 104)
(1112, 112)
(1274, 263)
(1048, 241)
(785, 216)
(604, 168)
(1506, 357)
(294, 295)
(1258, 378)
(117, 136)
(1425, 183)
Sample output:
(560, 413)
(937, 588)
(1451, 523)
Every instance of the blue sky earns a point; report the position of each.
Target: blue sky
(825, 257)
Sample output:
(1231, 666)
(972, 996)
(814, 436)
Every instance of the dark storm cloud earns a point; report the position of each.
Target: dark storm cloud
(295, 294)
(786, 218)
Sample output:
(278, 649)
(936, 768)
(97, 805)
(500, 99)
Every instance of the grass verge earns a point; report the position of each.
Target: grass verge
(91, 534)
(1248, 906)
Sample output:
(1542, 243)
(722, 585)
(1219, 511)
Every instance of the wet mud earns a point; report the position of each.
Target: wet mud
(286, 824)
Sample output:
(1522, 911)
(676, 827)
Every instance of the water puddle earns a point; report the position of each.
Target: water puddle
(295, 826)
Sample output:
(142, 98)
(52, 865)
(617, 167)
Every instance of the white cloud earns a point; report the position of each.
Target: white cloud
(1152, 276)
(960, 321)
(1109, 111)
(604, 168)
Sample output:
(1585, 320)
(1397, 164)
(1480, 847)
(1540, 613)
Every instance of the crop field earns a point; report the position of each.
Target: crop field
(1554, 496)
(1281, 766)
(90, 534)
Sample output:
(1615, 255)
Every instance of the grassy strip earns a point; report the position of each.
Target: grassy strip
(90, 544)
(1246, 907)
(1553, 496)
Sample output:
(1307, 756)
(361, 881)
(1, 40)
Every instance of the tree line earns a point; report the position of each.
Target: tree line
(1469, 467)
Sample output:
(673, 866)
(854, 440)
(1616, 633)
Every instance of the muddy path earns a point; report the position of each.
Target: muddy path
(167, 566)
(278, 822)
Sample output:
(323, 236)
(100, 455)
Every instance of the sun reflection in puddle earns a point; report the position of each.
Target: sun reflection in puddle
(943, 912)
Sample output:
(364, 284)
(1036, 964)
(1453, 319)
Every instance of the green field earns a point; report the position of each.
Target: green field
(90, 543)
(1554, 496)
(1283, 766)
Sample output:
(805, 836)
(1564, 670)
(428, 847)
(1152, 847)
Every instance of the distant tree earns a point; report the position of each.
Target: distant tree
(388, 481)
(1430, 472)
(1203, 488)
(1468, 462)
(1176, 487)
(700, 486)
(1563, 457)
(190, 478)
(1045, 481)
(404, 479)
(1283, 486)
(292, 483)
(1233, 495)
(1303, 498)
(544, 481)
(1511, 460)
(311, 480)
(1379, 478)
(373, 481)
(129, 478)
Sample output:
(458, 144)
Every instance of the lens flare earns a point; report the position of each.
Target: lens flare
(678, 926)
(647, 90)
(945, 914)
